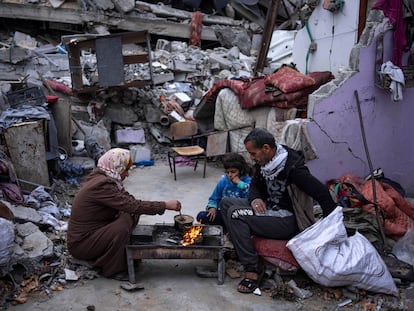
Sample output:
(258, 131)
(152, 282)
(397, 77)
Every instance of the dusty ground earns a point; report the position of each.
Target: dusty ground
(173, 284)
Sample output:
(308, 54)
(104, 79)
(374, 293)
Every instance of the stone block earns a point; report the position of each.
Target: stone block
(160, 78)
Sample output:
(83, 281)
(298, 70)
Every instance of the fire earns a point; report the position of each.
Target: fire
(192, 235)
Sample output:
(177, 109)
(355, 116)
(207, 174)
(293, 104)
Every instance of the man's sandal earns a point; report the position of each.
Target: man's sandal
(250, 285)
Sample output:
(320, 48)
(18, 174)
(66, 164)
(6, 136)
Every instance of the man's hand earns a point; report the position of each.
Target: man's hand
(173, 205)
(258, 206)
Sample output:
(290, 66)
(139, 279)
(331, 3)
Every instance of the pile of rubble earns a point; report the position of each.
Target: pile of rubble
(135, 118)
(33, 243)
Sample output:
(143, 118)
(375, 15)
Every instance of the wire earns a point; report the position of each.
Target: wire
(309, 48)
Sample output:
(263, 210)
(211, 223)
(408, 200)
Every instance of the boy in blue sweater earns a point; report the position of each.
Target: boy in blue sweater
(234, 184)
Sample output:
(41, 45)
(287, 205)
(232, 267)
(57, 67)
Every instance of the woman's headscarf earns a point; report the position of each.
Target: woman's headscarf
(114, 162)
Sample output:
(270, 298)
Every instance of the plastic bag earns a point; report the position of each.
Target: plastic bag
(6, 241)
(404, 248)
(331, 258)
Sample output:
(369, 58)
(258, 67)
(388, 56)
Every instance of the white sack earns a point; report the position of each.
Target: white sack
(404, 248)
(331, 258)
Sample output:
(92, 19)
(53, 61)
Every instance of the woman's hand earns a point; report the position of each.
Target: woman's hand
(212, 213)
(258, 206)
(173, 205)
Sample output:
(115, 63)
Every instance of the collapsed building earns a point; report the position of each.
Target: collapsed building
(74, 97)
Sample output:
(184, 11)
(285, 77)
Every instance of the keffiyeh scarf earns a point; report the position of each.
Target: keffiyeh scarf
(270, 171)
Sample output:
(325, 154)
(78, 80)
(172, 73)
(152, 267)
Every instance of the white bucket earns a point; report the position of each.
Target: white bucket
(140, 153)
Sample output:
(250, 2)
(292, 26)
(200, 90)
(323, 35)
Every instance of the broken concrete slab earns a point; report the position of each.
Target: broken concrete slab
(104, 4)
(35, 244)
(229, 38)
(24, 214)
(124, 6)
(124, 115)
(130, 136)
(15, 55)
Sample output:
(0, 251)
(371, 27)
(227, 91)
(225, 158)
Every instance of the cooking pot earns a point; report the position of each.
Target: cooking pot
(183, 222)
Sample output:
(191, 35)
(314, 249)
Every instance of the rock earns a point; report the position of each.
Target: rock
(35, 244)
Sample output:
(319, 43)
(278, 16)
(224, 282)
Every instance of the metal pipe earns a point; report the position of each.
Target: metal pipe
(374, 192)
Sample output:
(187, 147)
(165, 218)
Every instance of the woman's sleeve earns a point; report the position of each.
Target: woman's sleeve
(122, 200)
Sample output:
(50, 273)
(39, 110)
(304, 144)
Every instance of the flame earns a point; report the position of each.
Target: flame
(191, 235)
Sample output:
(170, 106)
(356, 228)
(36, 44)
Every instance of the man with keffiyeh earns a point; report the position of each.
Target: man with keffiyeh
(104, 215)
(269, 211)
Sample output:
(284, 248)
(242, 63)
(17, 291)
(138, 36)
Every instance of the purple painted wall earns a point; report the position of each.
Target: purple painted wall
(336, 132)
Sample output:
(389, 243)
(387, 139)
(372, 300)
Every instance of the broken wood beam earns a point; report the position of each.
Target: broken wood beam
(267, 36)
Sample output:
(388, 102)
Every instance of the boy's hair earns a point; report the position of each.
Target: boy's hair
(235, 160)
(259, 137)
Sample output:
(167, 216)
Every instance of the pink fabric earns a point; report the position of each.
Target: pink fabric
(396, 211)
(196, 26)
(289, 80)
(12, 192)
(393, 9)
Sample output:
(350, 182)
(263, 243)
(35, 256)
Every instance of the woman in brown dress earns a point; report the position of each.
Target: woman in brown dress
(104, 215)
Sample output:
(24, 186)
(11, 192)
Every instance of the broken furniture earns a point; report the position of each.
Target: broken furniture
(218, 141)
(183, 145)
(114, 53)
(162, 241)
(30, 134)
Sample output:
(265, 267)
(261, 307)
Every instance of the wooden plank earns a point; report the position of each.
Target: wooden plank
(362, 19)
(75, 65)
(62, 113)
(26, 145)
(267, 36)
(136, 58)
(109, 61)
(217, 144)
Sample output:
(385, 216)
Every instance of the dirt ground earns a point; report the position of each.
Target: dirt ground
(174, 284)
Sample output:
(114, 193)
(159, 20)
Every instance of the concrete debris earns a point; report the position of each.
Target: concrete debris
(299, 292)
(71, 275)
(35, 244)
(137, 118)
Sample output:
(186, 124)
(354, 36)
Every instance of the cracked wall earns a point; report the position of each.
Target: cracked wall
(335, 125)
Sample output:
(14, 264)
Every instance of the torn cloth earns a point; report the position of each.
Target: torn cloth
(196, 26)
(296, 136)
(397, 79)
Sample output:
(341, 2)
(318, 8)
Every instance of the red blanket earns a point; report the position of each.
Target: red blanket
(253, 92)
(397, 212)
(276, 253)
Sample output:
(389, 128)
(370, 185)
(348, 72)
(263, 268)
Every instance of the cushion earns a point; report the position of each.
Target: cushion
(289, 80)
(276, 253)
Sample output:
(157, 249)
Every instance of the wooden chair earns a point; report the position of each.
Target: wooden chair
(183, 144)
